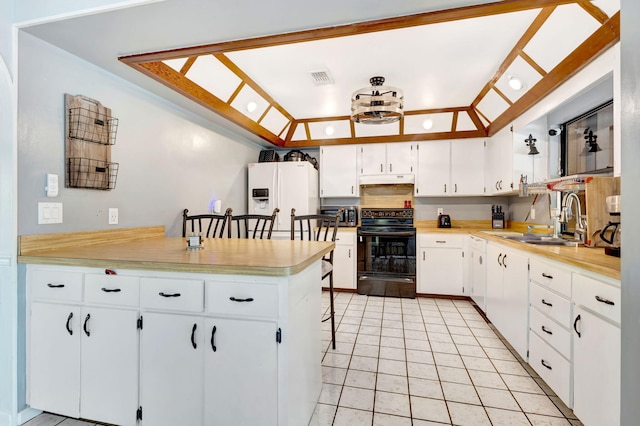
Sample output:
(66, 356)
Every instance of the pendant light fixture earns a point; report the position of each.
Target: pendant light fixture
(377, 104)
(531, 143)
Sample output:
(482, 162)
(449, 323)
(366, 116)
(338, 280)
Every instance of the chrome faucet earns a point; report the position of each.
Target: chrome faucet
(566, 214)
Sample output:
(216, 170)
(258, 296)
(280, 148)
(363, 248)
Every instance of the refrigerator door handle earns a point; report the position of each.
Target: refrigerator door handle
(278, 188)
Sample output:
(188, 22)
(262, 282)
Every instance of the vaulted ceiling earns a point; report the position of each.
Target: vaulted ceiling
(454, 67)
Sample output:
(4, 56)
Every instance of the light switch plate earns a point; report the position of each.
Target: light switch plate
(49, 213)
(52, 185)
(113, 216)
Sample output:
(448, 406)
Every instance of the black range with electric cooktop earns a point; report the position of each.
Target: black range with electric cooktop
(387, 252)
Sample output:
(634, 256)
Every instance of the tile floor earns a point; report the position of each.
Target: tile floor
(426, 362)
(420, 362)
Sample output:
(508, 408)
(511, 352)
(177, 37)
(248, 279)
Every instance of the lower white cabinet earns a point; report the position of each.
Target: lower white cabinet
(240, 369)
(73, 369)
(477, 268)
(596, 352)
(344, 261)
(508, 294)
(171, 379)
(441, 264)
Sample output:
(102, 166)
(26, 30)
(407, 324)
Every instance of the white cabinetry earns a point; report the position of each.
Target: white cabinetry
(73, 369)
(344, 261)
(477, 267)
(386, 158)
(339, 171)
(450, 168)
(550, 324)
(534, 167)
(441, 264)
(499, 163)
(596, 351)
(507, 294)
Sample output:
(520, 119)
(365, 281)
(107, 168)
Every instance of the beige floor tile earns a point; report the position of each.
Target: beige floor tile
(364, 363)
(448, 348)
(360, 399)
(349, 417)
(393, 342)
(360, 379)
(436, 328)
(414, 326)
(346, 337)
(458, 392)
(425, 388)
(415, 335)
(386, 316)
(448, 360)
(368, 339)
(387, 323)
(392, 332)
(346, 319)
(423, 357)
(510, 367)
(487, 379)
(392, 403)
(372, 322)
(439, 337)
(336, 360)
(380, 419)
(348, 328)
(391, 383)
(489, 342)
(499, 354)
(396, 368)
(538, 420)
(370, 329)
(468, 415)
(460, 330)
(454, 375)
(536, 404)
(323, 415)
(521, 384)
(366, 350)
(459, 339)
(497, 398)
(421, 345)
(501, 417)
(422, 371)
(429, 409)
(397, 354)
(344, 348)
(418, 422)
(330, 394)
(476, 363)
(333, 375)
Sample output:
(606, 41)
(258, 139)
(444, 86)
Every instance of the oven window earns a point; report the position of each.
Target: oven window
(387, 255)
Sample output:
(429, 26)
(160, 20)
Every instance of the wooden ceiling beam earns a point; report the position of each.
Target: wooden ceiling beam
(178, 82)
(389, 138)
(427, 18)
(602, 39)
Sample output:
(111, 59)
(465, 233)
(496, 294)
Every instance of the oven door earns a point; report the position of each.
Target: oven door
(387, 262)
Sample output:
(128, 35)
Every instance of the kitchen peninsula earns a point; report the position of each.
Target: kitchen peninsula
(129, 327)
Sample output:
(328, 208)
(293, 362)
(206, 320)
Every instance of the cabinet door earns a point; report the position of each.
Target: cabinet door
(467, 167)
(478, 278)
(171, 367)
(344, 262)
(433, 169)
(109, 368)
(495, 289)
(54, 358)
(515, 303)
(400, 157)
(339, 171)
(240, 372)
(596, 369)
(499, 162)
(441, 271)
(373, 159)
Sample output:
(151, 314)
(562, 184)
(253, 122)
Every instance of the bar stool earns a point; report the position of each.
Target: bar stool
(241, 225)
(214, 224)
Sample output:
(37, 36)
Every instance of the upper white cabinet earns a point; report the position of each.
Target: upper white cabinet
(499, 163)
(339, 171)
(387, 158)
(450, 168)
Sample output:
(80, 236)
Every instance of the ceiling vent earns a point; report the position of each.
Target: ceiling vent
(321, 78)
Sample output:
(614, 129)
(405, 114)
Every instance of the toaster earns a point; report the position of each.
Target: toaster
(444, 221)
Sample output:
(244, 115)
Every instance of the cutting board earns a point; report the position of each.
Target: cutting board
(596, 192)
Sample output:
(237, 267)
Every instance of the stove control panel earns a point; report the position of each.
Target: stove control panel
(385, 213)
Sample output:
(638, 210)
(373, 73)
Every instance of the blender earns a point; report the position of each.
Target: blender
(610, 234)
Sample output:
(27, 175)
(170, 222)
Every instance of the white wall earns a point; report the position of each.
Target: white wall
(169, 160)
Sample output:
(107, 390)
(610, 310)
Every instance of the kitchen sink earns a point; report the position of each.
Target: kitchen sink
(542, 240)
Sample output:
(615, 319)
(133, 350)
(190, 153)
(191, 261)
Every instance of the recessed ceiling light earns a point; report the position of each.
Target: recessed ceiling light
(427, 124)
(515, 83)
(329, 130)
(251, 106)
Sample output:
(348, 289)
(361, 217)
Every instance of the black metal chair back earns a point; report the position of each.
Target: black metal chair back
(209, 225)
(256, 226)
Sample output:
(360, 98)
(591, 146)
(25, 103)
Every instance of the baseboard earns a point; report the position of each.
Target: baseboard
(27, 414)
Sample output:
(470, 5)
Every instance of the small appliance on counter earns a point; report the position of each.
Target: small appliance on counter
(497, 217)
(444, 221)
(610, 234)
(348, 216)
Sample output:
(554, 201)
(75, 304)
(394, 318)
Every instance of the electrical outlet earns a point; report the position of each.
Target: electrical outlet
(440, 211)
(532, 215)
(113, 216)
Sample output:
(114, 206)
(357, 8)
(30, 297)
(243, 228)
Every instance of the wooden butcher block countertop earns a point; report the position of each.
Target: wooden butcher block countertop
(147, 248)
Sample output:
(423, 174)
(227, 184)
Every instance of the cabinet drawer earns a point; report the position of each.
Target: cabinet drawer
(56, 285)
(173, 294)
(551, 366)
(552, 304)
(237, 298)
(551, 276)
(345, 238)
(112, 289)
(598, 296)
(441, 240)
(551, 332)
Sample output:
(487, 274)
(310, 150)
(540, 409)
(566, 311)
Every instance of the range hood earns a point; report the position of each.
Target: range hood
(388, 179)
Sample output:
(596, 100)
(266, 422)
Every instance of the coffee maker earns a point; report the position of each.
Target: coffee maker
(610, 234)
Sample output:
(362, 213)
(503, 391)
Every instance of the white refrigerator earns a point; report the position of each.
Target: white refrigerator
(285, 185)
